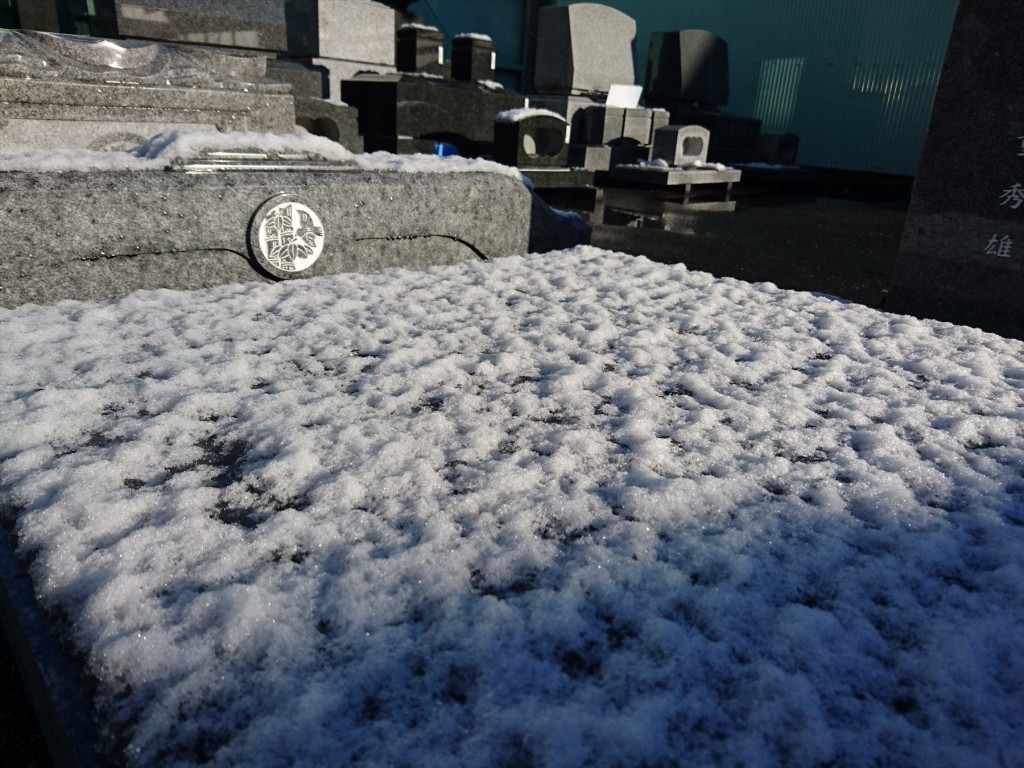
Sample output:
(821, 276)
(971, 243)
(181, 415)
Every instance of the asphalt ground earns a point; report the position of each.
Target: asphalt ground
(837, 247)
(840, 248)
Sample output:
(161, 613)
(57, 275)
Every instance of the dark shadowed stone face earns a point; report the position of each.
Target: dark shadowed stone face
(962, 255)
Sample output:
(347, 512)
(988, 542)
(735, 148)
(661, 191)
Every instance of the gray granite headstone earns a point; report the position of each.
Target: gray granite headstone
(342, 36)
(583, 48)
(241, 216)
(962, 254)
(68, 91)
(352, 30)
(254, 24)
(691, 65)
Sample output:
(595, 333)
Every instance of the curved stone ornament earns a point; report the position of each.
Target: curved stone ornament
(285, 237)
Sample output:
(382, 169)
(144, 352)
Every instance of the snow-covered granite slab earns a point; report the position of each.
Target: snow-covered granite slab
(560, 510)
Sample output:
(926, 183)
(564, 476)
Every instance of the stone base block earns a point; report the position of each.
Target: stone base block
(334, 121)
(395, 106)
(538, 141)
(592, 158)
(681, 144)
(200, 226)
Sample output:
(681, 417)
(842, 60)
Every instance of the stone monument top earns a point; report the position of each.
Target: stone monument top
(583, 49)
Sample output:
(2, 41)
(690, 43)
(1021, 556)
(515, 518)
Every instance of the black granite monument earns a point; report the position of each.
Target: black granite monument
(962, 255)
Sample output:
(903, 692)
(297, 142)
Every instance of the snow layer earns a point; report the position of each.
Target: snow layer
(559, 510)
(522, 113)
(179, 146)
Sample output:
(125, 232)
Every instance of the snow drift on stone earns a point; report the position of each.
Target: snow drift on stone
(561, 510)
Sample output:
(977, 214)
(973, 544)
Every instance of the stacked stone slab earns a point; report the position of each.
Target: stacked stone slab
(257, 25)
(66, 91)
(242, 214)
(582, 50)
(688, 75)
(419, 108)
(341, 37)
(313, 113)
(267, 29)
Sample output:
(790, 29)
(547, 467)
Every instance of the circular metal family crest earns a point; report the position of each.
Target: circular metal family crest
(286, 237)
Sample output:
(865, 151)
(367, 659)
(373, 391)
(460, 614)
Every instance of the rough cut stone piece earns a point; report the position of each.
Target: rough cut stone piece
(253, 24)
(691, 65)
(349, 30)
(681, 144)
(68, 91)
(534, 141)
(583, 48)
(100, 234)
(473, 58)
(420, 49)
(962, 254)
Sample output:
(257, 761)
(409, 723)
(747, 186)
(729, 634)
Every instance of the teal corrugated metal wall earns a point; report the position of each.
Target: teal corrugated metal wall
(854, 79)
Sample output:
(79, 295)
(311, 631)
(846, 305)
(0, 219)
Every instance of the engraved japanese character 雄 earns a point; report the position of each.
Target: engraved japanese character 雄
(999, 246)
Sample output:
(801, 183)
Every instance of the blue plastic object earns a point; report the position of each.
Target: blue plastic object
(444, 149)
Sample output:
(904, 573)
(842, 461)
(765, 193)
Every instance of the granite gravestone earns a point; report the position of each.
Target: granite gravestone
(688, 75)
(342, 36)
(199, 210)
(962, 254)
(583, 49)
(690, 65)
(67, 91)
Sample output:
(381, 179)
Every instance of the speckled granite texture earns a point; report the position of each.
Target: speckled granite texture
(583, 48)
(255, 24)
(68, 91)
(101, 234)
